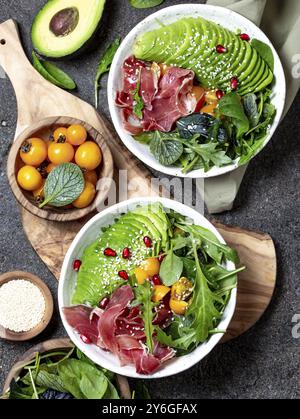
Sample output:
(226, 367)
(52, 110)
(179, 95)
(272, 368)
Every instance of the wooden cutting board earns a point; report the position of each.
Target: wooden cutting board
(38, 99)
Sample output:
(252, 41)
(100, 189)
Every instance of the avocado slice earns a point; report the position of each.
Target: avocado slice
(191, 43)
(63, 27)
(98, 274)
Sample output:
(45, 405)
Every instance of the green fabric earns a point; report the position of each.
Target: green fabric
(280, 20)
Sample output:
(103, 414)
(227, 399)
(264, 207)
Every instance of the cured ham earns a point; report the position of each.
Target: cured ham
(165, 98)
(119, 329)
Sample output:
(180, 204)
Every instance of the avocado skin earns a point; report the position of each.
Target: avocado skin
(128, 230)
(213, 70)
(88, 46)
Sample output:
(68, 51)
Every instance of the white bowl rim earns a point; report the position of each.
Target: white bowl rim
(145, 155)
(178, 364)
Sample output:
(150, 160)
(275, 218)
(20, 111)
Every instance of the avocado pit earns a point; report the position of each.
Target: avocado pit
(65, 21)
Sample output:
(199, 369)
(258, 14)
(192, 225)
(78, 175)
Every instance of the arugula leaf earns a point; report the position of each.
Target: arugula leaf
(52, 73)
(63, 185)
(171, 269)
(145, 4)
(165, 149)
(104, 65)
(265, 51)
(143, 297)
(231, 106)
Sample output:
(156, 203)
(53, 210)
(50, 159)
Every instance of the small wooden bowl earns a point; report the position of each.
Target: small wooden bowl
(49, 346)
(44, 129)
(23, 336)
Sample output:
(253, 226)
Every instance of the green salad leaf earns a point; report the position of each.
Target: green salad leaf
(171, 269)
(231, 106)
(138, 101)
(104, 65)
(52, 73)
(63, 185)
(145, 4)
(166, 150)
(265, 51)
(143, 297)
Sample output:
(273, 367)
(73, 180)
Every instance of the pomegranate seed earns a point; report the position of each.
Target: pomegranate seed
(76, 265)
(234, 83)
(148, 241)
(219, 94)
(126, 253)
(245, 37)
(110, 252)
(103, 303)
(124, 275)
(85, 339)
(156, 280)
(221, 49)
(161, 256)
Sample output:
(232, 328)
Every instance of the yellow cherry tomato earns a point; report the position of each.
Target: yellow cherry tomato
(151, 266)
(211, 96)
(60, 135)
(29, 178)
(50, 167)
(91, 176)
(39, 194)
(159, 292)
(182, 289)
(210, 109)
(86, 197)
(141, 275)
(59, 153)
(76, 134)
(88, 156)
(198, 92)
(33, 152)
(178, 306)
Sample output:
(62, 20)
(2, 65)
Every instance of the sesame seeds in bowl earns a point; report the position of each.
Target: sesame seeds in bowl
(222, 16)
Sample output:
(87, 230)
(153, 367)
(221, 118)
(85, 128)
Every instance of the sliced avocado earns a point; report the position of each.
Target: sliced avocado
(257, 76)
(199, 54)
(63, 27)
(98, 274)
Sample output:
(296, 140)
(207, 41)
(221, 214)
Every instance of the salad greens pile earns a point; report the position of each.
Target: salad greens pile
(63, 374)
(202, 141)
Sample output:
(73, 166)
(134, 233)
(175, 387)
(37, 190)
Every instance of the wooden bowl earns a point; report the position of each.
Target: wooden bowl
(44, 129)
(49, 346)
(23, 336)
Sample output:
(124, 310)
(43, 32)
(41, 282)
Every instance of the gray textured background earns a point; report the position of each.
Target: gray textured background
(263, 363)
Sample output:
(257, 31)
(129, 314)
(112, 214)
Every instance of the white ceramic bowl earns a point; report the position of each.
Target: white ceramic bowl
(221, 15)
(86, 236)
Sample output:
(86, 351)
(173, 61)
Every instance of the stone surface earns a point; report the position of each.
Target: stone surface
(263, 363)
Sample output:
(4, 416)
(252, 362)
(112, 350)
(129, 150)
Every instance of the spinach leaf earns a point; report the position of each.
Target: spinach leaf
(144, 137)
(251, 109)
(171, 269)
(231, 106)
(82, 380)
(53, 74)
(145, 4)
(64, 184)
(143, 297)
(165, 149)
(203, 125)
(265, 51)
(104, 65)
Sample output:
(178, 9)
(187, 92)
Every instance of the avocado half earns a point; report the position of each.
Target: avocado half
(62, 28)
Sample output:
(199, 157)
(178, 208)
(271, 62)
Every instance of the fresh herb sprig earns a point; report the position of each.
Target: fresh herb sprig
(104, 65)
(145, 4)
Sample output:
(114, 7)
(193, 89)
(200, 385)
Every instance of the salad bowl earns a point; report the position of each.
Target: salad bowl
(69, 281)
(220, 16)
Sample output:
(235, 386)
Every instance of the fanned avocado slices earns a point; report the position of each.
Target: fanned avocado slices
(98, 274)
(191, 43)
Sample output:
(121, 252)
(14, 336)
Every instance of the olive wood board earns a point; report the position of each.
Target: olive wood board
(38, 99)
(50, 346)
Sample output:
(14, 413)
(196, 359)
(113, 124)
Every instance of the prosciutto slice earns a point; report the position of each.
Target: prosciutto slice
(166, 98)
(120, 329)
